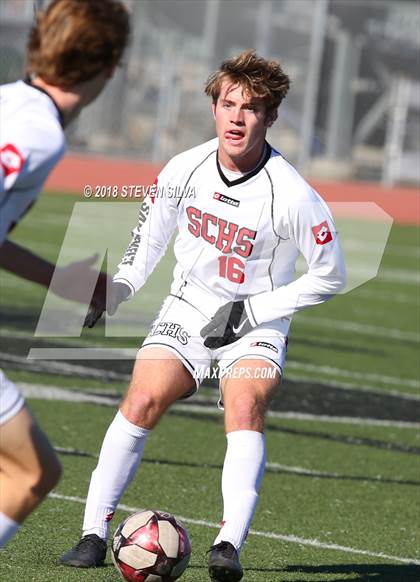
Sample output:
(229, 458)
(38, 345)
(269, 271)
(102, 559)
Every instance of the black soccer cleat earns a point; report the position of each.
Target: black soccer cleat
(224, 565)
(89, 552)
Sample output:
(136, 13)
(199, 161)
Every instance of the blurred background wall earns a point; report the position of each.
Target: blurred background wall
(353, 111)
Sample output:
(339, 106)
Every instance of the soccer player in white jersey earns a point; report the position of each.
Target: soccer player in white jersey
(232, 298)
(73, 49)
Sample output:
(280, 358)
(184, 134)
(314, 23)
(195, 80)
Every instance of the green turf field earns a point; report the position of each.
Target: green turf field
(341, 497)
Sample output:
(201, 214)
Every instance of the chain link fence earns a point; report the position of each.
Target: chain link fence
(346, 115)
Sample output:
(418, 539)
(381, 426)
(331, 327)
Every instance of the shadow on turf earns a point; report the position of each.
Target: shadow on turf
(285, 471)
(348, 440)
(338, 438)
(279, 470)
(21, 319)
(366, 572)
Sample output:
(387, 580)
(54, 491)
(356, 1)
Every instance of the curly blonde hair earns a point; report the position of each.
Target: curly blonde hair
(74, 40)
(257, 76)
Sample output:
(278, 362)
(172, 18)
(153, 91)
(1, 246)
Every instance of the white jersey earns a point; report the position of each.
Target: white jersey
(237, 240)
(11, 400)
(31, 143)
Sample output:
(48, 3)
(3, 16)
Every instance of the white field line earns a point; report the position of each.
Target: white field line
(338, 325)
(269, 465)
(10, 332)
(314, 473)
(300, 470)
(319, 322)
(296, 377)
(390, 297)
(270, 535)
(403, 251)
(359, 273)
(309, 417)
(40, 392)
(379, 249)
(82, 353)
(45, 355)
(331, 371)
(359, 328)
(403, 276)
(48, 366)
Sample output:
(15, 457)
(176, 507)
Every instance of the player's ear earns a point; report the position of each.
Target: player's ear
(213, 108)
(270, 118)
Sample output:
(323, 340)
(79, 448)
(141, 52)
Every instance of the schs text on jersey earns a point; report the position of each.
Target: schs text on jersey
(226, 236)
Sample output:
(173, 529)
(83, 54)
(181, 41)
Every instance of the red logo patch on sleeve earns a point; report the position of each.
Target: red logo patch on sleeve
(322, 233)
(11, 160)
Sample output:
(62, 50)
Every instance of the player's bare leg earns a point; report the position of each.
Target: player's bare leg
(246, 401)
(159, 378)
(29, 468)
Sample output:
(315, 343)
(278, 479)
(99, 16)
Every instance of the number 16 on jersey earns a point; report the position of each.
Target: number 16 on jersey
(231, 268)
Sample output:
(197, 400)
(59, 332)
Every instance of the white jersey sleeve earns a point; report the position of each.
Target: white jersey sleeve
(31, 143)
(156, 224)
(309, 224)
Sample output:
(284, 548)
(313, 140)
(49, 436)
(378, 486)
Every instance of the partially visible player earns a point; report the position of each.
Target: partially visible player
(232, 299)
(73, 50)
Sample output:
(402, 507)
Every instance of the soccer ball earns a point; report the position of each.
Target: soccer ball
(151, 546)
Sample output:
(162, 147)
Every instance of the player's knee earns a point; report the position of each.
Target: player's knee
(144, 410)
(245, 411)
(35, 485)
(246, 407)
(45, 476)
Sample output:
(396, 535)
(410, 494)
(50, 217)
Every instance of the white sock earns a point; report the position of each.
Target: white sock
(8, 528)
(243, 470)
(119, 459)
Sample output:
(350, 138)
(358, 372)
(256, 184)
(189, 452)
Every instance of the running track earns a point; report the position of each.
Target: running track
(76, 171)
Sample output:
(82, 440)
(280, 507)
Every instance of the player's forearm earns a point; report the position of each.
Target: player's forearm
(23, 263)
(307, 291)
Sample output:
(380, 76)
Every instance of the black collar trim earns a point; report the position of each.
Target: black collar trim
(60, 113)
(248, 176)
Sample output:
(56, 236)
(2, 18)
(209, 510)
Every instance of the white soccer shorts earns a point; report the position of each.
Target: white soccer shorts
(177, 328)
(11, 400)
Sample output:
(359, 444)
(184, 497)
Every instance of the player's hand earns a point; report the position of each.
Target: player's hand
(72, 281)
(116, 293)
(229, 323)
